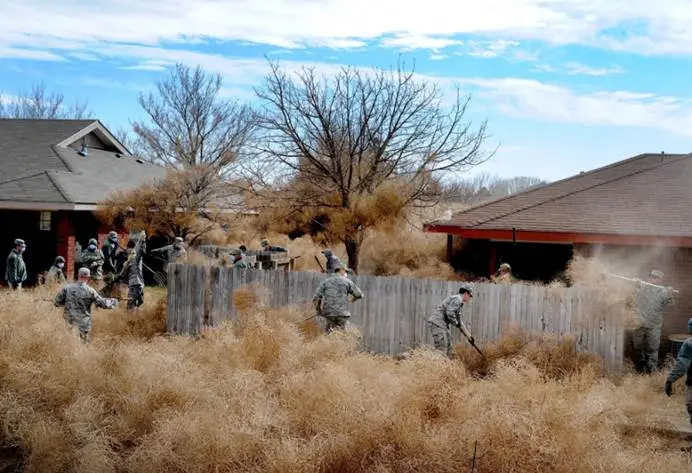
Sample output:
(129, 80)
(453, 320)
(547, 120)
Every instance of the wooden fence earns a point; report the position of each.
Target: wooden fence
(392, 315)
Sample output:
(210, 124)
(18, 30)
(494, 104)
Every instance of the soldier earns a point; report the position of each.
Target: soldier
(332, 261)
(683, 365)
(56, 273)
(77, 299)
(274, 249)
(449, 312)
(133, 270)
(175, 252)
(503, 275)
(239, 259)
(92, 259)
(651, 302)
(331, 299)
(111, 253)
(15, 269)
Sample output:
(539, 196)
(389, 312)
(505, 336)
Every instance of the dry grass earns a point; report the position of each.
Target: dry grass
(268, 395)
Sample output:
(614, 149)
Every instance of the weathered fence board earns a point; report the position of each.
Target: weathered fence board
(392, 316)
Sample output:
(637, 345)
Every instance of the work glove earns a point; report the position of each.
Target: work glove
(669, 388)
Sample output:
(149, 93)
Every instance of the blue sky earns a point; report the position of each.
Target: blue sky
(566, 85)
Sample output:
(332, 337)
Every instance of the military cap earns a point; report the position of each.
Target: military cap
(93, 241)
(465, 287)
(505, 266)
(112, 235)
(84, 272)
(59, 259)
(178, 239)
(264, 242)
(19, 241)
(236, 252)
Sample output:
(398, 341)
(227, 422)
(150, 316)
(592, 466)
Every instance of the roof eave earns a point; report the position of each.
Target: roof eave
(45, 206)
(101, 130)
(532, 236)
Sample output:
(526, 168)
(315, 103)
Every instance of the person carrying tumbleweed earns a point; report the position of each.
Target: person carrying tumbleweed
(332, 298)
(449, 313)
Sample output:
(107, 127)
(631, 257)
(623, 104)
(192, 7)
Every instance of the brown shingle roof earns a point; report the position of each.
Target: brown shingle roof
(646, 195)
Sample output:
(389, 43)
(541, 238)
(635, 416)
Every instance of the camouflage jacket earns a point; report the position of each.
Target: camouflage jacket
(651, 302)
(77, 299)
(110, 253)
(55, 275)
(331, 298)
(683, 364)
(172, 253)
(93, 260)
(449, 312)
(15, 269)
(133, 267)
(242, 263)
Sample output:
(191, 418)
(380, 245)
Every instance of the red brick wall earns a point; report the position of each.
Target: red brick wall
(65, 242)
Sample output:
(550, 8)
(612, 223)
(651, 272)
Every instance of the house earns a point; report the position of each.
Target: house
(53, 174)
(634, 215)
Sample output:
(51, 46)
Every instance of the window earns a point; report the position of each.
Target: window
(44, 222)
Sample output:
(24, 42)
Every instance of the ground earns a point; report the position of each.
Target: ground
(270, 394)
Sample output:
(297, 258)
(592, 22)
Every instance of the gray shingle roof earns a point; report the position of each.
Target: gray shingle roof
(647, 195)
(25, 145)
(100, 173)
(34, 169)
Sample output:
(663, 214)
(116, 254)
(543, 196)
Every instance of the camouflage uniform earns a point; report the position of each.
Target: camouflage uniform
(133, 269)
(93, 260)
(331, 300)
(683, 366)
(448, 312)
(174, 253)
(15, 269)
(272, 249)
(77, 299)
(56, 273)
(651, 302)
(111, 252)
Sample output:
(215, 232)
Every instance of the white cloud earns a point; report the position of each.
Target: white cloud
(631, 25)
(531, 99)
(19, 53)
(576, 68)
(410, 42)
(489, 49)
(84, 56)
(438, 57)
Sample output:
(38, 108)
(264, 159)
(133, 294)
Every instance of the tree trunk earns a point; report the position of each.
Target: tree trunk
(353, 252)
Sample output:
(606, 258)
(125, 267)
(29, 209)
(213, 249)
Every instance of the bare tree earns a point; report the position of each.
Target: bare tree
(484, 186)
(190, 124)
(38, 103)
(362, 145)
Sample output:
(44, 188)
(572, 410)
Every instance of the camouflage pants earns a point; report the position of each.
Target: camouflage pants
(688, 401)
(81, 325)
(442, 339)
(646, 341)
(135, 296)
(335, 323)
(110, 287)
